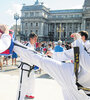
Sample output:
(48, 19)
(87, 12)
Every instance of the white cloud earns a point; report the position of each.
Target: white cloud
(15, 8)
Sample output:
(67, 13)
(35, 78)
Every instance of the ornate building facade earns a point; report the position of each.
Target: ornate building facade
(54, 24)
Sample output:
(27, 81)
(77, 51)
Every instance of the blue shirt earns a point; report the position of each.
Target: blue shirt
(58, 48)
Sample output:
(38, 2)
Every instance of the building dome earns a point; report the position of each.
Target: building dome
(86, 3)
(37, 2)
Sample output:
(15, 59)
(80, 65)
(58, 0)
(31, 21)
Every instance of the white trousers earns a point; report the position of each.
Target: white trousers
(27, 84)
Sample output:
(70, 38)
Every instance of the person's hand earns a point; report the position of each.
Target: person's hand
(4, 29)
(49, 53)
(75, 36)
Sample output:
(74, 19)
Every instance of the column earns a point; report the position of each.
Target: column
(47, 29)
(72, 27)
(78, 27)
(55, 30)
(21, 27)
(66, 30)
(83, 26)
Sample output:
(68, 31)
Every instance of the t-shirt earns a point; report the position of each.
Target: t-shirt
(58, 48)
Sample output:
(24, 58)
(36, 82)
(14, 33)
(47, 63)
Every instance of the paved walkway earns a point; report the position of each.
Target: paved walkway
(46, 88)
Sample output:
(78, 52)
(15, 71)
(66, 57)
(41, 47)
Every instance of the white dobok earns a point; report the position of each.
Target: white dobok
(27, 84)
(63, 73)
(5, 42)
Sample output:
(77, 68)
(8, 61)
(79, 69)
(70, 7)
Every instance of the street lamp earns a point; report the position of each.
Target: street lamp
(16, 17)
(59, 29)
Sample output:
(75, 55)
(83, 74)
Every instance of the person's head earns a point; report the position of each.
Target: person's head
(84, 35)
(49, 45)
(63, 45)
(59, 42)
(39, 44)
(33, 38)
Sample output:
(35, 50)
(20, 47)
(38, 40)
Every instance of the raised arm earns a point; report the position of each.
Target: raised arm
(84, 56)
(64, 56)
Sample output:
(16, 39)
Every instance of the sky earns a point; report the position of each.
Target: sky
(10, 7)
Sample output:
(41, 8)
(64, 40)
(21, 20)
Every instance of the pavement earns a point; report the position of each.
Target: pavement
(46, 88)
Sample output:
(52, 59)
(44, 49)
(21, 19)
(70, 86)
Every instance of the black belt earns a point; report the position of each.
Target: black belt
(88, 94)
(63, 62)
(31, 67)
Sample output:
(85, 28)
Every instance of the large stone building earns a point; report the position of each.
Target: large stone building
(54, 24)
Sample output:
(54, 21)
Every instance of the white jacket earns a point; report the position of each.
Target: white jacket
(5, 42)
(63, 73)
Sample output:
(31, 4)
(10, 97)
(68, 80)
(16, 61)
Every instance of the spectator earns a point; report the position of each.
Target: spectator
(5, 58)
(14, 56)
(39, 48)
(58, 48)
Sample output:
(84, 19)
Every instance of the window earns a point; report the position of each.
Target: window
(36, 24)
(31, 31)
(70, 33)
(37, 14)
(87, 25)
(64, 34)
(26, 31)
(26, 24)
(31, 14)
(31, 24)
(36, 31)
(26, 14)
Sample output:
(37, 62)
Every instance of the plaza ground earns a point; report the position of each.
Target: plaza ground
(45, 87)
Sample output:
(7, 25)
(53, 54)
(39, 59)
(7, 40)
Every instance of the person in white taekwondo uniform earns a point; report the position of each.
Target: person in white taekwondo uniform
(84, 69)
(63, 73)
(28, 78)
(4, 37)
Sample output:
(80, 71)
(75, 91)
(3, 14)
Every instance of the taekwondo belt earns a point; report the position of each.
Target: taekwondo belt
(29, 71)
(76, 68)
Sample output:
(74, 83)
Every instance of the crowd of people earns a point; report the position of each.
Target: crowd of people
(41, 47)
(44, 46)
(52, 57)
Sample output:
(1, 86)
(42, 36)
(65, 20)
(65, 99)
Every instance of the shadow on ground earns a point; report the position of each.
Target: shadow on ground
(46, 76)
